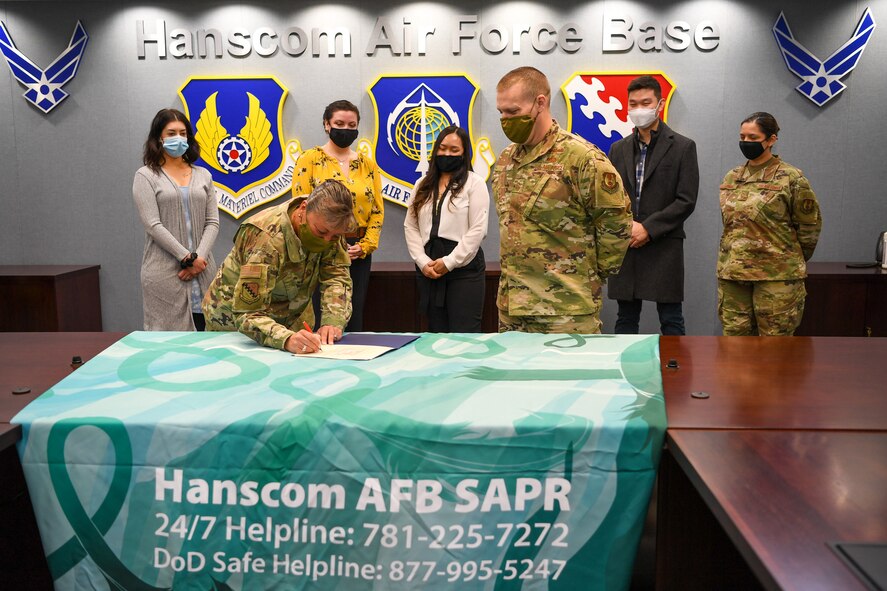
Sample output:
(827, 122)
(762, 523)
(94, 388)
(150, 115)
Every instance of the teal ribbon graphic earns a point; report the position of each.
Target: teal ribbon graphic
(89, 530)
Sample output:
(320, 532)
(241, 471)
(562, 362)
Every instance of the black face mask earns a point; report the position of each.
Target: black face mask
(751, 150)
(343, 137)
(448, 163)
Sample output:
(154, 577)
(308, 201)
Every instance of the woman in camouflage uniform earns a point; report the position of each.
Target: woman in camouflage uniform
(281, 255)
(771, 226)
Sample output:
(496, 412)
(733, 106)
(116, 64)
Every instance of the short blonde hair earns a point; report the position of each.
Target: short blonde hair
(332, 201)
(534, 81)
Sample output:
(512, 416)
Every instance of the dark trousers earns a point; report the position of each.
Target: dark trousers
(455, 302)
(199, 321)
(360, 283)
(671, 317)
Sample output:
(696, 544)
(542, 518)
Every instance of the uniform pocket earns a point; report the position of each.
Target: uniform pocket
(771, 203)
(548, 202)
(749, 202)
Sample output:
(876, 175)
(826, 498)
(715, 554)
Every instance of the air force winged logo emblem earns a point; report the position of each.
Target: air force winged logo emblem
(410, 113)
(822, 79)
(597, 104)
(44, 86)
(238, 126)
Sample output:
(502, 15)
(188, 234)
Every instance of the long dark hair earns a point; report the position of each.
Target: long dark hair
(153, 154)
(458, 177)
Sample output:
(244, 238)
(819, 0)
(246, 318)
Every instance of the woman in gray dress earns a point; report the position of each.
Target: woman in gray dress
(177, 205)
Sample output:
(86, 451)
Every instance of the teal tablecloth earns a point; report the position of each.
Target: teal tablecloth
(203, 461)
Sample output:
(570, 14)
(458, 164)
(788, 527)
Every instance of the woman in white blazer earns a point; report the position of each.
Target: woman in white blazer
(445, 224)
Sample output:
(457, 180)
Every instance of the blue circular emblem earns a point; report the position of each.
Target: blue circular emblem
(234, 153)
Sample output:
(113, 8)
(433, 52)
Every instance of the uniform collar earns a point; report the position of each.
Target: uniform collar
(765, 171)
(524, 154)
(294, 249)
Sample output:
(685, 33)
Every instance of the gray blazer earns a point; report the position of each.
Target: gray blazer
(655, 271)
(157, 198)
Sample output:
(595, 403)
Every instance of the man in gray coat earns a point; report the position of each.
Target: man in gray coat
(661, 175)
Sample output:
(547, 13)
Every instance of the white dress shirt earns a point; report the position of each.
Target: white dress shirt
(464, 220)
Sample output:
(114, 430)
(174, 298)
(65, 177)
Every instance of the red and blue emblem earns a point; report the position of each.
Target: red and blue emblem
(598, 104)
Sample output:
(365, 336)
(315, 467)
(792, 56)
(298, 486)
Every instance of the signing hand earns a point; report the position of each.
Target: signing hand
(639, 235)
(303, 342)
(355, 251)
(329, 334)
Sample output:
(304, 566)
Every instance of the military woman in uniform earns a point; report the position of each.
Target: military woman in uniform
(771, 226)
(280, 257)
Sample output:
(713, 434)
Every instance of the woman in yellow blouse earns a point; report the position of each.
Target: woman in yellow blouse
(336, 160)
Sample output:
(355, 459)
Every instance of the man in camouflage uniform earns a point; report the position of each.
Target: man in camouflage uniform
(279, 258)
(771, 227)
(564, 218)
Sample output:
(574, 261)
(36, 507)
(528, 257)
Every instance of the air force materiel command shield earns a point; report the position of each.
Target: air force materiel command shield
(410, 113)
(238, 123)
(822, 79)
(44, 86)
(597, 104)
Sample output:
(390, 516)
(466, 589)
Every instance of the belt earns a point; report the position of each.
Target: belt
(358, 233)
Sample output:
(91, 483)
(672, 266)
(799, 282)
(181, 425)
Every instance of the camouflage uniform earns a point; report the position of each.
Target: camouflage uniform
(564, 226)
(267, 280)
(771, 226)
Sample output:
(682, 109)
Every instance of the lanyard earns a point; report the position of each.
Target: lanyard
(436, 208)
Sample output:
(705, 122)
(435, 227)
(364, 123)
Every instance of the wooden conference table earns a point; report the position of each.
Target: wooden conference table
(780, 496)
(36, 361)
(783, 457)
(786, 455)
(832, 383)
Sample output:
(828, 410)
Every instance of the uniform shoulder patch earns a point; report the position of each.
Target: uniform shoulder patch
(249, 292)
(251, 288)
(251, 271)
(609, 183)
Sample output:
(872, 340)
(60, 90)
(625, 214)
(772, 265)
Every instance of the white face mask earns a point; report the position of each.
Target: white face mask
(642, 118)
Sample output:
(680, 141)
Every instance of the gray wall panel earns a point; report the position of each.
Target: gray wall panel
(66, 190)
